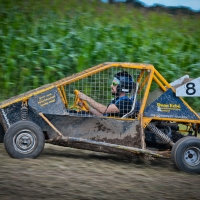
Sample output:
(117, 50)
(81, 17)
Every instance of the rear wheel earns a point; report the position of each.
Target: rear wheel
(185, 154)
(2, 133)
(24, 139)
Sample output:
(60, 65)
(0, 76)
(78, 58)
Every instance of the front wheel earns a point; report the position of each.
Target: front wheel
(185, 154)
(24, 139)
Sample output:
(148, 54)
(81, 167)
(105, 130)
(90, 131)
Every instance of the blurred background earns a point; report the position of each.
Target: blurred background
(44, 41)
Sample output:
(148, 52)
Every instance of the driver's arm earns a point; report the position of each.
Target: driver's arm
(98, 106)
(94, 111)
(111, 109)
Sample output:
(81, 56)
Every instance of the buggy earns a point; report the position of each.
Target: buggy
(159, 124)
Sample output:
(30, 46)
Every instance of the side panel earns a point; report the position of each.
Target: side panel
(48, 102)
(100, 129)
(10, 114)
(169, 106)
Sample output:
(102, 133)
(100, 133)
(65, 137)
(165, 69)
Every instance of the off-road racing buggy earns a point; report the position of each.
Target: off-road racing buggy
(159, 124)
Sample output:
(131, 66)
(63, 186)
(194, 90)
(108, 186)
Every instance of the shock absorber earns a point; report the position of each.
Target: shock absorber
(160, 134)
(24, 111)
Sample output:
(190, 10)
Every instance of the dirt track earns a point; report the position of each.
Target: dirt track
(64, 173)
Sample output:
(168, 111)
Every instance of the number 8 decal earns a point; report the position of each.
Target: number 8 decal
(190, 89)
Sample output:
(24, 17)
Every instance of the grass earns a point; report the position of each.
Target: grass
(41, 42)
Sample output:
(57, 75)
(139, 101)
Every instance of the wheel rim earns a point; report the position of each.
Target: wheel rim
(24, 141)
(192, 156)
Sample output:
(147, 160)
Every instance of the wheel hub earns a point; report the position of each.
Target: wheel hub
(24, 141)
(192, 156)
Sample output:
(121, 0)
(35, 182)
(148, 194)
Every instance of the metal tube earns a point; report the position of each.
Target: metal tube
(63, 140)
(50, 124)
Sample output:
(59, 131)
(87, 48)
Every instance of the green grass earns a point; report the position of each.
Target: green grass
(43, 41)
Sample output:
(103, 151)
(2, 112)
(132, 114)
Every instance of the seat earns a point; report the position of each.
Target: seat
(135, 105)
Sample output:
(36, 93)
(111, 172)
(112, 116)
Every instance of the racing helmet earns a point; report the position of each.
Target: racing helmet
(126, 82)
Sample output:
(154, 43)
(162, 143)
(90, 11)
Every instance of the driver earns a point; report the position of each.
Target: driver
(122, 84)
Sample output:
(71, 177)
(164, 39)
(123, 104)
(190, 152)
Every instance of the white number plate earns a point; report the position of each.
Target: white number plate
(190, 89)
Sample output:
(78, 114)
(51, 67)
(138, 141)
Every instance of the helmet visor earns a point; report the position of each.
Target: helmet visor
(115, 81)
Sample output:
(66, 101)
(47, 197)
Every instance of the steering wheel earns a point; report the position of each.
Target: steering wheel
(77, 100)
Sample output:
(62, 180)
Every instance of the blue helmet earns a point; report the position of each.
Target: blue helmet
(126, 82)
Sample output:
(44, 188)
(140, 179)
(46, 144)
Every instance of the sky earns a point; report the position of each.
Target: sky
(193, 4)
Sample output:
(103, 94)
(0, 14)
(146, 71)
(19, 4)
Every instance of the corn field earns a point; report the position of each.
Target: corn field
(44, 41)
